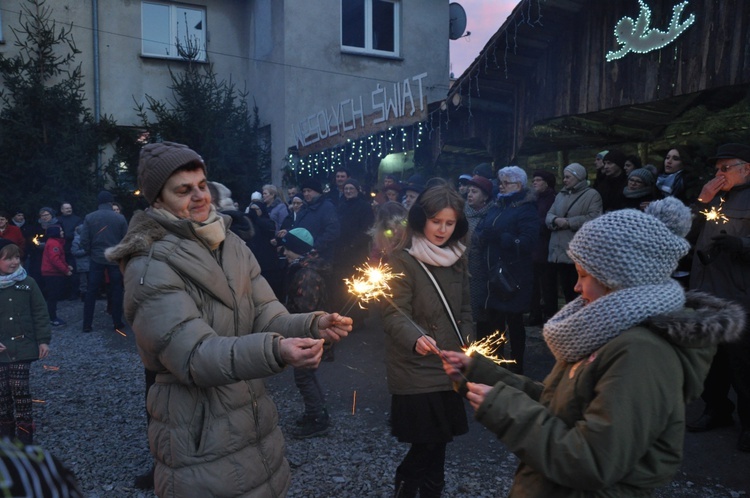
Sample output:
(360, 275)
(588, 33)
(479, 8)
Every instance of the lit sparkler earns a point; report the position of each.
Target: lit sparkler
(36, 240)
(370, 283)
(715, 214)
(488, 347)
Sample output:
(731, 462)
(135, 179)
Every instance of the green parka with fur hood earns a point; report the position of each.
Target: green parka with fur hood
(613, 423)
(209, 325)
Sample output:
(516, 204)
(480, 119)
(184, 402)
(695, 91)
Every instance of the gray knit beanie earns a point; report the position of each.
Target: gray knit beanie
(645, 175)
(630, 248)
(577, 170)
(157, 163)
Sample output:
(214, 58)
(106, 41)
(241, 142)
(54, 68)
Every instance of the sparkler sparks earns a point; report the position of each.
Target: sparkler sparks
(488, 347)
(36, 240)
(370, 283)
(715, 214)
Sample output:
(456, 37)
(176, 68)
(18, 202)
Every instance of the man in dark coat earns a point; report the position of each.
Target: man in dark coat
(544, 291)
(722, 268)
(319, 218)
(101, 230)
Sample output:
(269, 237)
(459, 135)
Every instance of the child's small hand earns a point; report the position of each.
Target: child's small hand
(43, 351)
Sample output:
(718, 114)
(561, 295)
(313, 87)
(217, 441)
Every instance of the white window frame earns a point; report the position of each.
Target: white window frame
(177, 31)
(367, 49)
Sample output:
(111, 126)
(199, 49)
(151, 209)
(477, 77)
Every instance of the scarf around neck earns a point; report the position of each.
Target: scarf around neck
(665, 182)
(580, 329)
(16, 276)
(428, 253)
(212, 231)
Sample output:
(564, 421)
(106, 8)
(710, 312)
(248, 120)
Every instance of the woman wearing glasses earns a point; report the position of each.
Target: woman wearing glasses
(508, 232)
(639, 191)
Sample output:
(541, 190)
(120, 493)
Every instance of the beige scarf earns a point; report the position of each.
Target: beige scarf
(427, 252)
(212, 231)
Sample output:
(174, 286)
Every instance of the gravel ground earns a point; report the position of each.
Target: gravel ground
(90, 414)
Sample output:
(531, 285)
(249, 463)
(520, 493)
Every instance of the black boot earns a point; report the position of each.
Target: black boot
(405, 488)
(145, 481)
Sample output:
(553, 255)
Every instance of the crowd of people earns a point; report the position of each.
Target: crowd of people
(221, 295)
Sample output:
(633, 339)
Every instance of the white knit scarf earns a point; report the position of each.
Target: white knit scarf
(12, 278)
(428, 253)
(579, 329)
(212, 231)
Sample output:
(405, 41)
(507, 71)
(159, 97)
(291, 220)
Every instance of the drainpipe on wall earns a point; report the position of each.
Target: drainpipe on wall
(97, 106)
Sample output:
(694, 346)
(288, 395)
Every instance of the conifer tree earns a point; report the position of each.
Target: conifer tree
(49, 139)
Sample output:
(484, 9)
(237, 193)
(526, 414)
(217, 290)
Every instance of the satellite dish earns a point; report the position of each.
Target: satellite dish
(457, 16)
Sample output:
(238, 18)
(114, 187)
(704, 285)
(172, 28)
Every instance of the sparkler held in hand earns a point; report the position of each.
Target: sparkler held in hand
(370, 283)
(714, 214)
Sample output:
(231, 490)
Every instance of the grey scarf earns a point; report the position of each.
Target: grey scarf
(579, 329)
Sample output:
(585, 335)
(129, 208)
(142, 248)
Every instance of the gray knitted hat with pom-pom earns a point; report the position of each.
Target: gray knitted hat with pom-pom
(630, 248)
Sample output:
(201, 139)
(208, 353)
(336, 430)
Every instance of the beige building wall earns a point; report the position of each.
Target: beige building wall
(287, 53)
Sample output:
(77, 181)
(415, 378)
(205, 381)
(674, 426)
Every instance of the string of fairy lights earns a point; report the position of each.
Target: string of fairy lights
(400, 139)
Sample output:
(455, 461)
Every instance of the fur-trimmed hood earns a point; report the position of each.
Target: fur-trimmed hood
(705, 322)
(145, 229)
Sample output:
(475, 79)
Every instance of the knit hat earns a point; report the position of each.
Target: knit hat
(157, 163)
(354, 183)
(485, 170)
(5, 242)
(298, 240)
(53, 231)
(547, 176)
(630, 248)
(464, 179)
(577, 170)
(223, 195)
(312, 184)
(104, 197)
(617, 157)
(256, 196)
(48, 210)
(415, 183)
(482, 184)
(643, 174)
(602, 154)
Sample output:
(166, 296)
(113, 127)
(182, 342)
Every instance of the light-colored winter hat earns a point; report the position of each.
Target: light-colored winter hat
(577, 170)
(630, 248)
(157, 163)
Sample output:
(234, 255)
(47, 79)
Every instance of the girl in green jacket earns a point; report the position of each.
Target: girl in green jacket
(24, 337)
(630, 351)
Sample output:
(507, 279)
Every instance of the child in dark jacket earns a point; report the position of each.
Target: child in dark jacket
(55, 270)
(24, 337)
(306, 291)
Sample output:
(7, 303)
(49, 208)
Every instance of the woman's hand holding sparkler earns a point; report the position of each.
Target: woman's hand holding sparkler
(455, 364)
(426, 345)
(333, 327)
(710, 189)
(301, 352)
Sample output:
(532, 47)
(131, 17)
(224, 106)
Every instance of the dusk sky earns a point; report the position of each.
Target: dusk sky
(483, 19)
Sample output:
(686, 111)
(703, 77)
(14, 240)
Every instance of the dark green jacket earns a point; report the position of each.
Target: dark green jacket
(24, 322)
(612, 424)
